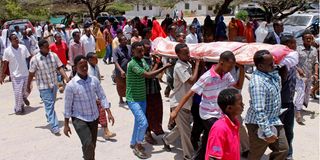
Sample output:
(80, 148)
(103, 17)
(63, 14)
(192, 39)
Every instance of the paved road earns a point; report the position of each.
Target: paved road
(27, 137)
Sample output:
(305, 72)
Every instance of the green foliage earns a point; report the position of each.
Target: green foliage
(118, 8)
(14, 10)
(243, 15)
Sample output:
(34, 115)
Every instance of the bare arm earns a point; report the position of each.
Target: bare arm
(4, 67)
(63, 73)
(152, 74)
(239, 84)
(184, 100)
(30, 78)
(194, 76)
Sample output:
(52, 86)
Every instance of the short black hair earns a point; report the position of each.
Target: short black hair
(277, 23)
(16, 27)
(258, 56)
(227, 97)
(226, 56)
(306, 32)
(90, 55)
(285, 39)
(119, 31)
(42, 42)
(78, 58)
(136, 44)
(192, 26)
(12, 34)
(179, 47)
(146, 41)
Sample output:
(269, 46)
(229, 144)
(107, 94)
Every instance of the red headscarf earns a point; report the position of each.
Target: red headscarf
(157, 31)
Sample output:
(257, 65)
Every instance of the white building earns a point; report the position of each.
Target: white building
(141, 10)
(188, 7)
(194, 8)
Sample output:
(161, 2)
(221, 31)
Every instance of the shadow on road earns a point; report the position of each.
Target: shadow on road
(27, 110)
(48, 126)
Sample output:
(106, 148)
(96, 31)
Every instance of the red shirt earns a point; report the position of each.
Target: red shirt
(60, 50)
(224, 141)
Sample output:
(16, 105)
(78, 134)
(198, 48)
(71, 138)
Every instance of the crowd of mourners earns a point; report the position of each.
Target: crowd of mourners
(205, 97)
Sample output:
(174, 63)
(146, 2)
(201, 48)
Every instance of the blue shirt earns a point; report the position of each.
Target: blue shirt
(80, 98)
(265, 101)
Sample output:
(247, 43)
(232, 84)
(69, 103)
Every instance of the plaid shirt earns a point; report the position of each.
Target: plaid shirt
(80, 98)
(45, 68)
(265, 103)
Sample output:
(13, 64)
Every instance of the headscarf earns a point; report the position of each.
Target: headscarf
(197, 24)
(157, 31)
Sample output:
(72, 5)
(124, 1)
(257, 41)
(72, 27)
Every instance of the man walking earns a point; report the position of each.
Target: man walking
(262, 119)
(16, 55)
(81, 107)
(43, 66)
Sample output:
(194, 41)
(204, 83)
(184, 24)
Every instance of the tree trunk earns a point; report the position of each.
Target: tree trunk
(223, 9)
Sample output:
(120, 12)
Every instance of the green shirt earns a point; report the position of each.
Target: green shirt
(136, 85)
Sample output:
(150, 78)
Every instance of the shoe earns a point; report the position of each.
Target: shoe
(245, 154)
(109, 135)
(26, 101)
(139, 153)
(150, 139)
(166, 147)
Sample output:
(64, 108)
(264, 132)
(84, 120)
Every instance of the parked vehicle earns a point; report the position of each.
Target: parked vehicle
(297, 23)
(22, 23)
(254, 10)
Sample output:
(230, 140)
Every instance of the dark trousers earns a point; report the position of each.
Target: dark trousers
(207, 124)
(258, 146)
(287, 119)
(87, 132)
(197, 127)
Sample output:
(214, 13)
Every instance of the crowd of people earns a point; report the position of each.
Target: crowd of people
(205, 97)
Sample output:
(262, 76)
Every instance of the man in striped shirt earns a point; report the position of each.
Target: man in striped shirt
(209, 86)
(262, 119)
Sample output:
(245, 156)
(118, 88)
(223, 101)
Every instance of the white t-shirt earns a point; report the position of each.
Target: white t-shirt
(89, 44)
(192, 38)
(17, 60)
(38, 31)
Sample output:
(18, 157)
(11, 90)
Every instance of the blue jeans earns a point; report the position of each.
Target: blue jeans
(108, 54)
(140, 121)
(48, 97)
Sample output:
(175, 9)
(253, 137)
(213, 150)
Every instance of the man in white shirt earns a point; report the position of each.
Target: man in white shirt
(192, 37)
(15, 57)
(127, 30)
(88, 41)
(38, 31)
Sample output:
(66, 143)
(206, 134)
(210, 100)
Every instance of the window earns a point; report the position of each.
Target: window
(199, 7)
(186, 6)
(144, 8)
(137, 7)
(150, 7)
(209, 8)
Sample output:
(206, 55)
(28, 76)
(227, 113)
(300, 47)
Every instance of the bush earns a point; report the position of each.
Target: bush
(243, 15)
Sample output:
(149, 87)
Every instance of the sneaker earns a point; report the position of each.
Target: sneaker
(26, 101)
(139, 153)
(166, 147)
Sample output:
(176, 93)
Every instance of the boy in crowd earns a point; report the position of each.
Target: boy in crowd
(224, 140)
(80, 105)
(184, 78)
(209, 86)
(93, 70)
(137, 71)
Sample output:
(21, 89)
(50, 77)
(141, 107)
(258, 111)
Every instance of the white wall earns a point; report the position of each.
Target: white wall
(193, 5)
(141, 13)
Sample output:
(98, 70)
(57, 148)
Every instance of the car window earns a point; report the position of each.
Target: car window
(297, 20)
(21, 26)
